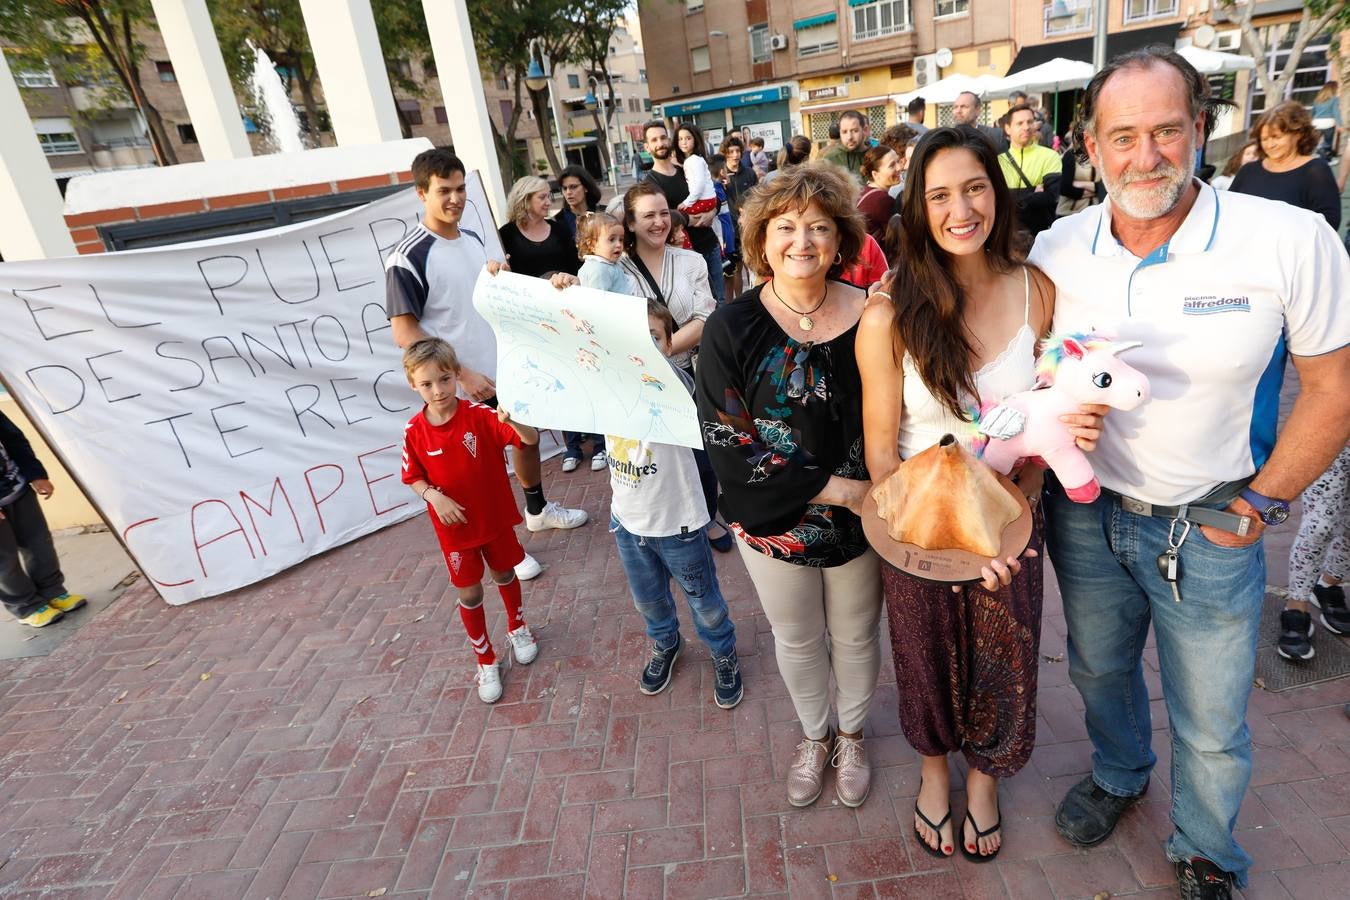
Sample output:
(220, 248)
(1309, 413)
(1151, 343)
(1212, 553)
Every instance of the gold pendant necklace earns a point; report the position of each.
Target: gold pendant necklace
(805, 323)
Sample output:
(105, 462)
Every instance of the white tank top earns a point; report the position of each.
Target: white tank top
(924, 419)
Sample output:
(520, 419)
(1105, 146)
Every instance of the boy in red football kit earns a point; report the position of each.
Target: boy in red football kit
(452, 459)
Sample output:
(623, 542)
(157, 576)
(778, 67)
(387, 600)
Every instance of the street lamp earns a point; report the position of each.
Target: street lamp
(537, 79)
(717, 33)
(593, 98)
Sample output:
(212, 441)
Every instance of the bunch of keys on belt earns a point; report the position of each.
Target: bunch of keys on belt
(1169, 561)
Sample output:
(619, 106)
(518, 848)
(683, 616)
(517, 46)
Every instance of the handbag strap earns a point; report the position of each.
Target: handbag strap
(647, 276)
(1025, 180)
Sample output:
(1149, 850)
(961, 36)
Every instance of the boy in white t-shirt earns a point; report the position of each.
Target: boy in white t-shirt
(659, 520)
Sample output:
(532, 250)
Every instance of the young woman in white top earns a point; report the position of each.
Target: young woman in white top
(960, 326)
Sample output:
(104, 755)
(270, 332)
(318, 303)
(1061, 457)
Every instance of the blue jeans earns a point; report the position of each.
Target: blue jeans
(1106, 561)
(574, 440)
(650, 563)
(716, 280)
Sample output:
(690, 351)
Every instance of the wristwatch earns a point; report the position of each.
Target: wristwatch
(1271, 510)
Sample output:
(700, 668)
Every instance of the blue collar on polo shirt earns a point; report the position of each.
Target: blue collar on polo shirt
(1196, 234)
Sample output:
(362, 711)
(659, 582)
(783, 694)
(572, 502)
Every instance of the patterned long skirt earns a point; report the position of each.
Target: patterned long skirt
(965, 664)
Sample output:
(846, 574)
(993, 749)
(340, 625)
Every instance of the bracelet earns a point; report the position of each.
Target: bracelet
(430, 487)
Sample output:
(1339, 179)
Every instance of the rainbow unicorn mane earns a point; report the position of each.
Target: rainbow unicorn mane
(1052, 352)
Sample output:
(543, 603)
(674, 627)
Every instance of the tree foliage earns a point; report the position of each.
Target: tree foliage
(1316, 17)
(592, 25)
(88, 42)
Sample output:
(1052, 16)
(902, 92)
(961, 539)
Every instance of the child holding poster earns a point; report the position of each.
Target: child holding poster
(659, 521)
(454, 447)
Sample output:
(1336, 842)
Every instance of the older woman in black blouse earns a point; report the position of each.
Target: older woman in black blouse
(779, 398)
(535, 244)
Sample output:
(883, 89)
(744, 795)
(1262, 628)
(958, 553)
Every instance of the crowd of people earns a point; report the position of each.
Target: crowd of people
(818, 378)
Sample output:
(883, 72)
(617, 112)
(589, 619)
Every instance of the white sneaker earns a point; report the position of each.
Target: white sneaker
(555, 516)
(523, 645)
(528, 568)
(570, 464)
(599, 461)
(489, 683)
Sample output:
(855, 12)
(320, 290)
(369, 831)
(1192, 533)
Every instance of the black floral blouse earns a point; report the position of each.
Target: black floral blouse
(779, 418)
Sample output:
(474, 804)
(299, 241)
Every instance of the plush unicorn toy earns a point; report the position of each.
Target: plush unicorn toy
(1073, 369)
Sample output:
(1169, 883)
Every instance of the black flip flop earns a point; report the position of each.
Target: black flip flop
(918, 835)
(976, 856)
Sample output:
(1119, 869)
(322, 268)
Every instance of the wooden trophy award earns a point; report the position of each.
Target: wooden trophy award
(943, 514)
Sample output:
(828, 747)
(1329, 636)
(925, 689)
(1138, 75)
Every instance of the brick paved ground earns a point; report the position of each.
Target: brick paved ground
(319, 736)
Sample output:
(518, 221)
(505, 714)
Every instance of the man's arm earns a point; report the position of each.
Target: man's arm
(1317, 429)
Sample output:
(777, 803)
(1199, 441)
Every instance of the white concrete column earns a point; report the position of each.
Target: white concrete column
(32, 226)
(465, 103)
(200, 70)
(351, 68)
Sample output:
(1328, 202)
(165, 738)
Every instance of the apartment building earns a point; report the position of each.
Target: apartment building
(792, 66)
(779, 67)
(583, 127)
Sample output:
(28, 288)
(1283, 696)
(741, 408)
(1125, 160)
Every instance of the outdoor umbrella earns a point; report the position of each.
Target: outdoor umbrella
(947, 89)
(1211, 62)
(1055, 75)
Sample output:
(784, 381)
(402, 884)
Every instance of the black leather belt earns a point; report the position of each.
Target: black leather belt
(1193, 512)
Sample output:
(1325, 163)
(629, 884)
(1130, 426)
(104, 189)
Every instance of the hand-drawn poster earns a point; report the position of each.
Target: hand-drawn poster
(583, 360)
(232, 406)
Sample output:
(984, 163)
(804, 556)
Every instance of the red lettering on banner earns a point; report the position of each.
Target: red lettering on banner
(267, 511)
(365, 476)
(126, 535)
(318, 501)
(238, 529)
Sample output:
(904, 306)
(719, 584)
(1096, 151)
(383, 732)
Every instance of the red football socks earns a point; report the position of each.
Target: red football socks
(475, 624)
(511, 599)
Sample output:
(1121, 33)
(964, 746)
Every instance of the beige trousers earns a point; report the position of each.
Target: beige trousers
(825, 621)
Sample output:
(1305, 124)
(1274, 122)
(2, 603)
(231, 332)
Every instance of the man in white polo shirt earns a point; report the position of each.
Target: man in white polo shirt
(1220, 289)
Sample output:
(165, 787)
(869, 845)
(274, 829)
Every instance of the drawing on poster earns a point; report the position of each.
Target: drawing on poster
(582, 360)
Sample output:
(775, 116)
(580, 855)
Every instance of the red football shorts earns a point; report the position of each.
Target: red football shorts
(501, 554)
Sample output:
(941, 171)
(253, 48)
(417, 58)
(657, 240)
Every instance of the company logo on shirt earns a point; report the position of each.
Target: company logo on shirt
(629, 461)
(1211, 305)
(471, 443)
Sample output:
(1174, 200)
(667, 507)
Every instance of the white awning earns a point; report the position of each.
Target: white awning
(1211, 62)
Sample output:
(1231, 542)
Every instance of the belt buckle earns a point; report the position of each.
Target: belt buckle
(1138, 507)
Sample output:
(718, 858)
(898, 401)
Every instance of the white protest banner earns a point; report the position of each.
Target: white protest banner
(583, 360)
(232, 406)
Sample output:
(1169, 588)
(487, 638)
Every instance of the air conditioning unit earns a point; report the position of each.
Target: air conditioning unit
(1228, 41)
(925, 70)
(778, 42)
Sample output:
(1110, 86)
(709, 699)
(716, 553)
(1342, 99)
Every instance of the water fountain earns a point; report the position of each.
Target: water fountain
(282, 126)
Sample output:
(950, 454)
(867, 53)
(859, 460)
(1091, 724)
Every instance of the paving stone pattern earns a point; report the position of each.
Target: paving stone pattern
(319, 735)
